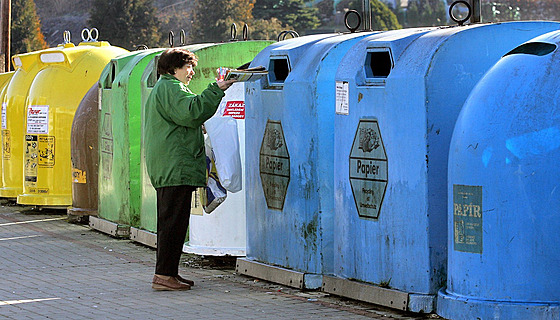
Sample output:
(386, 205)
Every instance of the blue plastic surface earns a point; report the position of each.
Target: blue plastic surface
(504, 244)
(289, 143)
(404, 245)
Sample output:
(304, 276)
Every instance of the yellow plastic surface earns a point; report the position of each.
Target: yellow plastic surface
(65, 77)
(26, 67)
(4, 81)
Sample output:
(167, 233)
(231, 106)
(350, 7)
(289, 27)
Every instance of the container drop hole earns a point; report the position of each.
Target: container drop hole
(279, 69)
(110, 77)
(378, 64)
(534, 48)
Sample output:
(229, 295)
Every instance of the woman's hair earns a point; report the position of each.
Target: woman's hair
(174, 58)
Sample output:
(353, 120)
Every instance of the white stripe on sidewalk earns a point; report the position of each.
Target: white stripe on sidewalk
(30, 221)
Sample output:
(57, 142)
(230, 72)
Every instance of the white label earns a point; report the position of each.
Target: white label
(38, 120)
(342, 97)
(17, 62)
(4, 106)
(53, 57)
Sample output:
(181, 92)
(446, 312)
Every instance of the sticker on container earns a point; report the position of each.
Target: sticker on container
(235, 109)
(38, 120)
(467, 218)
(31, 161)
(274, 165)
(368, 169)
(341, 97)
(6, 144)
(106, 146)
(78, 176)
(45, 151)
(4, 107)
(196, 205)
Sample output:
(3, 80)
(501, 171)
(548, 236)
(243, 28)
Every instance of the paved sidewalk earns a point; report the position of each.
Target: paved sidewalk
(51, 269)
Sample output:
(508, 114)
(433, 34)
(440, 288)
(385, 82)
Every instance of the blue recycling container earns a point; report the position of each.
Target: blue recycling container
(289, 165)
(399, 98)
(504, 244)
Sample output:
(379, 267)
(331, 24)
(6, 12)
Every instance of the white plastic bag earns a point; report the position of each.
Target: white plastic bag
(225, 143)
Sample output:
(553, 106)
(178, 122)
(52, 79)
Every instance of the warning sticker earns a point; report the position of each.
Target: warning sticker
(341, 97)
(4, 107)
(235, 109)
(38, 120)
(31, 160)
(46, 151)
(6, 144)
(78, 176)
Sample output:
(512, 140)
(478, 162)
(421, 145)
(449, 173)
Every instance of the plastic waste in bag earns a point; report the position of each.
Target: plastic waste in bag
(225, 142)
(214, 193)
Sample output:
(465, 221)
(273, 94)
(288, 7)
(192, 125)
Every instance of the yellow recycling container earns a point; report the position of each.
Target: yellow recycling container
(66, 75)
(13, 111)
(4, 81)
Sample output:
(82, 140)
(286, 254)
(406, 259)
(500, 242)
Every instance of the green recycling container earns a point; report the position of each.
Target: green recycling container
(119, 137)
(125, 85)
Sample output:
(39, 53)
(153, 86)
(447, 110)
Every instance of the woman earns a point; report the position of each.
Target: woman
(175, 156)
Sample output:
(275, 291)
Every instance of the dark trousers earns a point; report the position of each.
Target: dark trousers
(173, 212)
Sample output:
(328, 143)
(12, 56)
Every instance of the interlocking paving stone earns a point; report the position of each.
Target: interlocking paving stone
(52, 269)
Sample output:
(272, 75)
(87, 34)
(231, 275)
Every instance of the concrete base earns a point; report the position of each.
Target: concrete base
(80, 215)
(108, 227)
(381, 296)
(81, 211)
(213, 251)
(279, 275)
(144, 237)
(455, 307)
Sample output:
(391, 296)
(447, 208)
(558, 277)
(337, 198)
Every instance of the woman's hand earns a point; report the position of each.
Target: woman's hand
(225, 84)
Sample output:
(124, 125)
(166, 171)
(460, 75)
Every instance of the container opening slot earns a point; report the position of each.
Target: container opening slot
(534, 48)
(154, 75)
(378, 64)
(152, 79)
(110, 77)
(279, 69)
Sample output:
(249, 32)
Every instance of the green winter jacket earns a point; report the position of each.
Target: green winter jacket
(174, 142)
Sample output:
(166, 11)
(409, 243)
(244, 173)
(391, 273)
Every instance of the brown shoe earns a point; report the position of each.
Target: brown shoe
(168, 283)
(183, 280)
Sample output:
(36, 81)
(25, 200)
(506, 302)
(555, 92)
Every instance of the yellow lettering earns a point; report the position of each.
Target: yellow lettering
(477, 212)
(471, 210)
(457, 209)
